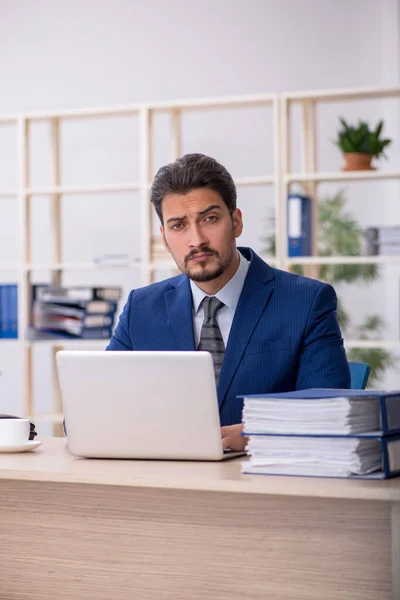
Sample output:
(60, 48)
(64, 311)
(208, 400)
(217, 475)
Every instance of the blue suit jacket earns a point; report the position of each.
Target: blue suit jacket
(285, 334)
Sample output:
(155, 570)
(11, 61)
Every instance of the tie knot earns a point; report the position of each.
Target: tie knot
(211, 306)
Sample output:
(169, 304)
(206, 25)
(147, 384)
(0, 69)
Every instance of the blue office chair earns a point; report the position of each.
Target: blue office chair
(359, 373)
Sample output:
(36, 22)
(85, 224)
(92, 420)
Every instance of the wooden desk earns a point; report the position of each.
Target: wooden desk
(111, 530)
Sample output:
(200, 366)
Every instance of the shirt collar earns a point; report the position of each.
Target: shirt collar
(231, 291)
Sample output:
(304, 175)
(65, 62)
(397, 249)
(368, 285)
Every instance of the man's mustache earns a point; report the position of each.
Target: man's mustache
(202, 250)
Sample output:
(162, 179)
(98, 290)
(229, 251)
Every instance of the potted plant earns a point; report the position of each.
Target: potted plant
(360, 145)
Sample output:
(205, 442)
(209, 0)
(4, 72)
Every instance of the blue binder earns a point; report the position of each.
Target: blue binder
(299, 225)
(9, 311)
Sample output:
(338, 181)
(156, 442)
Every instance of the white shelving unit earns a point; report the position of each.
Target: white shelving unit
(152, 256)
(310, 177)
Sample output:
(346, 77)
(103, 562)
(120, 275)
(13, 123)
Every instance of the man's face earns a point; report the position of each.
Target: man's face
(200, 233)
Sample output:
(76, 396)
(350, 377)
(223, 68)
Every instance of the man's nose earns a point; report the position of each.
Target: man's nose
(197, 237)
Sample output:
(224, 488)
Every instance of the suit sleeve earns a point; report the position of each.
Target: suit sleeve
(121, 339)
(323, 362)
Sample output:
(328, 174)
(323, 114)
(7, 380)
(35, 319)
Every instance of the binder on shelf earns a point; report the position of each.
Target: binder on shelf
(384, 240)
(52, 293)
(9, 311)
(93, 333)
(364, 456)
(299, 225)
(43, 321)
(73, 312)
(81, 310)
(58, 300)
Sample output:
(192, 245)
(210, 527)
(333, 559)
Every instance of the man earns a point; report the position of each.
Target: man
(267, 330)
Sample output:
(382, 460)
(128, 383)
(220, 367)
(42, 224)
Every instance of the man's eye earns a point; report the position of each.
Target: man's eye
(211, 218)
(177, 226)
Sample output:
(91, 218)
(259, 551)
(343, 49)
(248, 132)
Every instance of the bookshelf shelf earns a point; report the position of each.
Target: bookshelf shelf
(309, 178)
(8, 193)
(343, 260)
(341, 95)
(8, 120)
(153, 258)
(85, 189)
(228, 102)
(69, 343)
(86, 113)
(49, 417)
(80, 266)
(386, 344)
(341, 176)
(262, 180)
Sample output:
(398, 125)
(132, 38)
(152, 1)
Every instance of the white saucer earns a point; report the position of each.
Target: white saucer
(25, 447)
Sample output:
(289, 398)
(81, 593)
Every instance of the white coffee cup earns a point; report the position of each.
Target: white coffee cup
(14, 432)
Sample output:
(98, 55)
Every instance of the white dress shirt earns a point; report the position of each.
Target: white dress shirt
(229, 295)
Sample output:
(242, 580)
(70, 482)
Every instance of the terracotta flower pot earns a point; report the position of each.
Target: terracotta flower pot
(356, 161)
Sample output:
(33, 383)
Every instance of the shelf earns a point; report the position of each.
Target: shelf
(257, 180)
(127, 110)
(80, 266)
(68, 343)
(343, 94)
(170, 264)
(8, 120)
(386, 344)
(8, 193)
(341, 176)
(43, 417)
(210, 103)
(343, 260)
(135, 109)
(152, 259)
(83, 189)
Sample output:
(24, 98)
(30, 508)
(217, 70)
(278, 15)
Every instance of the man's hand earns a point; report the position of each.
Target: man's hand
(232, 438)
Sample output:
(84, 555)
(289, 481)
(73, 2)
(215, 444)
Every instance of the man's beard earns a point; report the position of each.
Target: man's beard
(208, 273)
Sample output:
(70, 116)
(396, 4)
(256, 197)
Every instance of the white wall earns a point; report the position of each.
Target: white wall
(81, 53)
(70, 54)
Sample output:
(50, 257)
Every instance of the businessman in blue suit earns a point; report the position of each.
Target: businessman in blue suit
(267, 330)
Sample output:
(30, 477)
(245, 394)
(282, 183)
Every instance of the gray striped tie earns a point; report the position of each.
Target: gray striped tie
(210, 338)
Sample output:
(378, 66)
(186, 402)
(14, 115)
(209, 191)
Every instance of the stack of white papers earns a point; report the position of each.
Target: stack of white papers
(312, 416)
(321, 436)
(313, 456)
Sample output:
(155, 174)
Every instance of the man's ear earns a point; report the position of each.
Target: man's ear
(164, 241)
(237, 222)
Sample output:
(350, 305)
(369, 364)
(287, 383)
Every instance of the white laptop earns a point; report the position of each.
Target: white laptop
(140, 405)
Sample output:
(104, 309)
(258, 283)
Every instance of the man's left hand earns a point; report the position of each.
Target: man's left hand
(232, 438)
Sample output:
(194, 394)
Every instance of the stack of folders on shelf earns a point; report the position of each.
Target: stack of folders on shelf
(323, 432)
(8, 311)
(74, 311)
(383, 240)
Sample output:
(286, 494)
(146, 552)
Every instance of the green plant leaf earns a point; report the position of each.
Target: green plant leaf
(361, 138)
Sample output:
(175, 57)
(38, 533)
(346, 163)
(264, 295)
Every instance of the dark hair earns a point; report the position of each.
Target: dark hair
(190, 172)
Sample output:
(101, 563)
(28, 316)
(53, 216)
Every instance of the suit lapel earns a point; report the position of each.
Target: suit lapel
(180, 314)
(252, 302)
